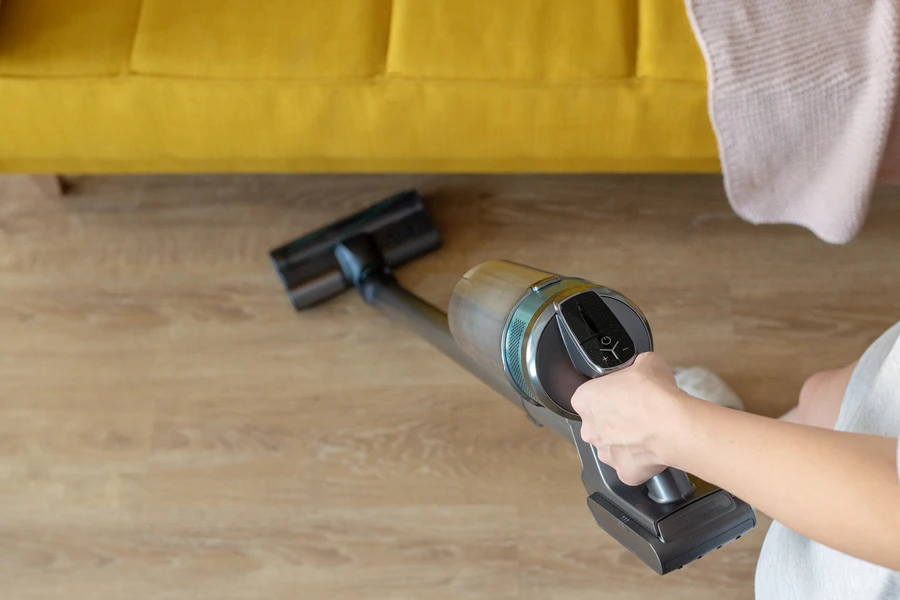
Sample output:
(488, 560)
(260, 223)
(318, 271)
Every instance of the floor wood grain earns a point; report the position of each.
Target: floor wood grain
(170, 428)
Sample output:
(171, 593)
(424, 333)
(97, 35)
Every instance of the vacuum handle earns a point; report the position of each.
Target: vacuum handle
(589, 315)
(669, 486)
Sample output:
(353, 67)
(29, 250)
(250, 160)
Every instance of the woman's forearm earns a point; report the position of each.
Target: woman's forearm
(840, 489)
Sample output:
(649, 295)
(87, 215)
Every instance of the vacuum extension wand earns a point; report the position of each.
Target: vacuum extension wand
(533, 337)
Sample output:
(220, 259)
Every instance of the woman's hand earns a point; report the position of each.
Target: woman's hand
(808, 478)
(625, 415)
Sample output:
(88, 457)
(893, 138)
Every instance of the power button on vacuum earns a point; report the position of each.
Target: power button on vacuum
(602, 337)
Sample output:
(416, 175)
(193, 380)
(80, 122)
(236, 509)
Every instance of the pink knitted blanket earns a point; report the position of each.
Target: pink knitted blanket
(802, 97)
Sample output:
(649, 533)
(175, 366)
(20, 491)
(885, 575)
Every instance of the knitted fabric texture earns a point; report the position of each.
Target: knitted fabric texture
(802, 97)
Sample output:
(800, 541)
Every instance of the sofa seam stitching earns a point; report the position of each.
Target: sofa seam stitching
(129, 62)
(635, 66)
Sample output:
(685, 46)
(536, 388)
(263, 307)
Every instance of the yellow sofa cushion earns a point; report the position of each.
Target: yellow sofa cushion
(262, 39)
(66, 38)
(351, 85)
(667, 49)
(503, 40)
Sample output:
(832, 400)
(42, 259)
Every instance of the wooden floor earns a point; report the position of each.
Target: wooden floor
(170, 428)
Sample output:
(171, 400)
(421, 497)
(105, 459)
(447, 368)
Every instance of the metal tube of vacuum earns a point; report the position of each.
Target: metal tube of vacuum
(429, 322)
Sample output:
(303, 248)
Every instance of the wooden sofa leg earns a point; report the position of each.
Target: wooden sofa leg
(49, 186)
(44, 186)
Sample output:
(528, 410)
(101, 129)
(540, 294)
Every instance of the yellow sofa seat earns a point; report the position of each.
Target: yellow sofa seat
(351, 85)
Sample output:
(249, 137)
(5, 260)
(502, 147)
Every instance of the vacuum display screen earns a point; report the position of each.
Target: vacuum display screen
(600, 334)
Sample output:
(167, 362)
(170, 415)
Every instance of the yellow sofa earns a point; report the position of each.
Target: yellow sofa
(351, 85)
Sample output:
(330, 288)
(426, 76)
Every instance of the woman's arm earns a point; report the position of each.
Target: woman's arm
(840, 489)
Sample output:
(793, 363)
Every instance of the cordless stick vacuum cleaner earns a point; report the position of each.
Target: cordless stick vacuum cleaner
(534, 337)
